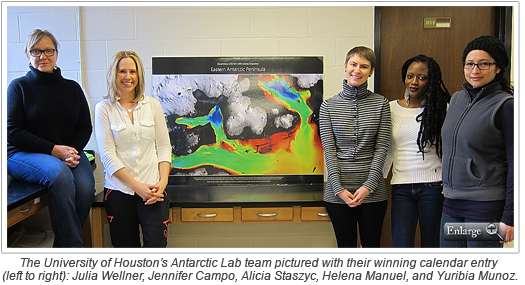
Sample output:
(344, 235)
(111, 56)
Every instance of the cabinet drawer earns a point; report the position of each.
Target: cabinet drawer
(267, 214)
(207, 214)
(27, 209)
(314, 214)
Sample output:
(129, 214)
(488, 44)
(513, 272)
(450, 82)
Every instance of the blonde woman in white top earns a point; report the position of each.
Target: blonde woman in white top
(135, 150)
(416, 153)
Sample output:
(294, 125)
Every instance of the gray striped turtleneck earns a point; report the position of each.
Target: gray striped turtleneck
(355, 133)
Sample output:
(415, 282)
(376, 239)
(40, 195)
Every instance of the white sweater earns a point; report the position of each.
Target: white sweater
(408, 164)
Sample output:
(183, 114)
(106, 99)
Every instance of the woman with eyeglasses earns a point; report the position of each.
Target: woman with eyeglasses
(48, 126)
(478, 150)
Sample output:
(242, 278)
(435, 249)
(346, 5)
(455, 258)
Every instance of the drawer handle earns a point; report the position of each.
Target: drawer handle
(27, 209)
(207, 215)
(322, 214)
(267, 215)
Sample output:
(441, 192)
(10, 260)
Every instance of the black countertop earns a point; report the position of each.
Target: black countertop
(20, 193)
(205, 196)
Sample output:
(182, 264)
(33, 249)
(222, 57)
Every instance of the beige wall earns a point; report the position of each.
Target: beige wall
(90, 35)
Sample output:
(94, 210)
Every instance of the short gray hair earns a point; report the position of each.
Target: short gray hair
(35, 36)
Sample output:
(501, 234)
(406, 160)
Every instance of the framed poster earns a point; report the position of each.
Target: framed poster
(249, 120)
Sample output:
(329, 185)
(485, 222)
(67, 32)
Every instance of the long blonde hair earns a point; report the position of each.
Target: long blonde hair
(111, 76)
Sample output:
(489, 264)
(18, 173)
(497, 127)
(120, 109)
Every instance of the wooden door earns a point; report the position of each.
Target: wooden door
(402, 36)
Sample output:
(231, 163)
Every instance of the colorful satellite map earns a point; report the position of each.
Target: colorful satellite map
(242, 124)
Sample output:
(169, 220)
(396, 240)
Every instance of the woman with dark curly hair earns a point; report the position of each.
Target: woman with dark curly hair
(415, 153)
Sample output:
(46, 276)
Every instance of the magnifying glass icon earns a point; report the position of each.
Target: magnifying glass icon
(492, 229)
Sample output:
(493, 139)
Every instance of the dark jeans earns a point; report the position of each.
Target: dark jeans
(465, 243)
(127, 215)
(70, 195)
(345, 220)
(410, 202)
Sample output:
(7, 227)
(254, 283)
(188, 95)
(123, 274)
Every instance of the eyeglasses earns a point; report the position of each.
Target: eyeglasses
(47, 52)
(481, 65)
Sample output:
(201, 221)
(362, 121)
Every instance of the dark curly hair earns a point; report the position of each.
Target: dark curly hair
(436, 100)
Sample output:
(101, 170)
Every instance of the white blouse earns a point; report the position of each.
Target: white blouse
(138, 146)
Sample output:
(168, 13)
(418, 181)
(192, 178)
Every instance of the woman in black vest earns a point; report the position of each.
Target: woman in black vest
(478, 152)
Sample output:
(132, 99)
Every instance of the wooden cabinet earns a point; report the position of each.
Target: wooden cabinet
(314, 214)
(267, 214)
(198, 204)
(25, 210)
(207, 214)
(238, 214)
(235, 214)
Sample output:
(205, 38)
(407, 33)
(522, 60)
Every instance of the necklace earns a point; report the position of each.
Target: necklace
(132, 107)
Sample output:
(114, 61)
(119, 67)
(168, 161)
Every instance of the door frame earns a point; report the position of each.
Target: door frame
(503, 26)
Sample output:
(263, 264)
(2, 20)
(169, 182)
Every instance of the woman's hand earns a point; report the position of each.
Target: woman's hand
(509, 233)
(67, 154)
(356, 199)
(161, 186)
(359, 195)
(149, 193)
(346, 196)
(159, 189)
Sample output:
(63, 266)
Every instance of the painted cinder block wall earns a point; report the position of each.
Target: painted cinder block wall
(90, 35)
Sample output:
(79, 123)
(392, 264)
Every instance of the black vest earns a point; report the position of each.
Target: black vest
(474, 158)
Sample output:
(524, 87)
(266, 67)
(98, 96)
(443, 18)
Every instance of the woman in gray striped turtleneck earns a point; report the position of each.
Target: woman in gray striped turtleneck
(355, 132)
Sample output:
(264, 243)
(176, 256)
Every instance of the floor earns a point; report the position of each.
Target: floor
(36, 232)
(33, 232)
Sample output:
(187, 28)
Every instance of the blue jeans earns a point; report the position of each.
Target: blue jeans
(410, 202)
(70, 195)
(465, 243)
